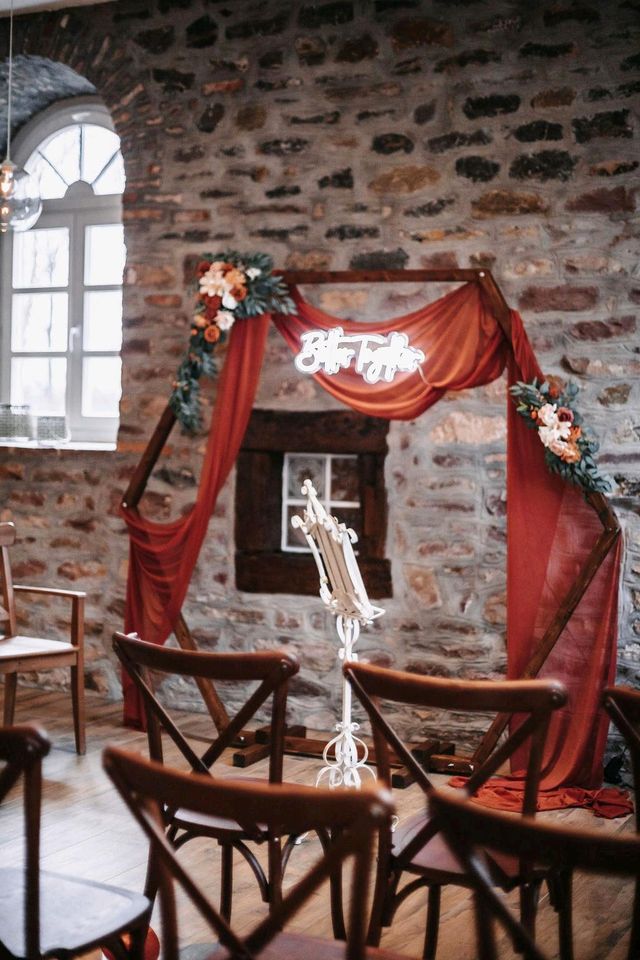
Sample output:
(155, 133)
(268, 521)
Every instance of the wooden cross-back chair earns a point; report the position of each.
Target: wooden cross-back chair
(45, 914)
(272, 671)
(623, 706)
(417, 847)
(20, 654)
(469, 829)
(352, 818)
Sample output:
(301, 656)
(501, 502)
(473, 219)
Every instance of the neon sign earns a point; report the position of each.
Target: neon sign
(374, 356)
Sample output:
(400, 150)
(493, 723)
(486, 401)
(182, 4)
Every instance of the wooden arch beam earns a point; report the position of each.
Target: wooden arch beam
(597, 501)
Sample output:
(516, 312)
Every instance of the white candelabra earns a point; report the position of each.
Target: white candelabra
(344, 593)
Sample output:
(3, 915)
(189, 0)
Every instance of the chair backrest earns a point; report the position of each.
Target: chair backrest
(270, 669)
(7, 601)
(470, 828)
(533, 701)
(21, 751)
(623, 706)
(351, 817)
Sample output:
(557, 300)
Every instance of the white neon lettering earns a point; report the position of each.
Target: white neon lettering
(377, 357)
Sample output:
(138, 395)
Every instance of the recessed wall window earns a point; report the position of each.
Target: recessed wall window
(343, 453)
(61, 299)
(336, 481)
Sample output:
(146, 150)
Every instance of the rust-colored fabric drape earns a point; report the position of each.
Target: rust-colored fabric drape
(551, 528)
(162, 555)
(463, 345)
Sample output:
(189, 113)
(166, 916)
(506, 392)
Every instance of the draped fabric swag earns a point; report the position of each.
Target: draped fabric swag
(551, 528)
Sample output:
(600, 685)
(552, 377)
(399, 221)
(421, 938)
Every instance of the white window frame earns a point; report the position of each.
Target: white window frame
(78, 209)
(327, 501)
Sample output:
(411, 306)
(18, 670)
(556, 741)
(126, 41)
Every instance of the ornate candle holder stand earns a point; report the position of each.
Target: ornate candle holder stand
(343, 592)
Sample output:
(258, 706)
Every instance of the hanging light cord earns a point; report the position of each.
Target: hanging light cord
(10, 82)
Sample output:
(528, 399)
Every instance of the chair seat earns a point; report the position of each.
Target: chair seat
(437, 861)
(211, 826)
(291, 946)
(74, 914)
(18, 646)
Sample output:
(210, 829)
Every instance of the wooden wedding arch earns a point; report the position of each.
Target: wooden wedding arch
(252, 744)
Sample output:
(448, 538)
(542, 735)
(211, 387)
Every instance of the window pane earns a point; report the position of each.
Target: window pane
(40, 382)
(101, 386)
(302, 467)
(98, 146)
(113, 178)
(104, 254)
(350, 516)
(294, 536)
(39, 322)
(102, 320)
(344, 479)
(41, 258)
(52, 186)
(63, 153)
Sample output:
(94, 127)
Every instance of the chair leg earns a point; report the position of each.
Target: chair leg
(226, 880)
(563, 903)
(275, 873)
(335, 891)
(529, 894)
(433, 923)
(137, 940)
(10, 685)
(77, 699)
(634, 943)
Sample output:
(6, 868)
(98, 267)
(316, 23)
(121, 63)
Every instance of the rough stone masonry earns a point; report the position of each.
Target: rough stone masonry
(356, 133)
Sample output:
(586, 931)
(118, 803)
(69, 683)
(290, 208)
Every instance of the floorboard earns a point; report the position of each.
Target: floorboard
(87, 832)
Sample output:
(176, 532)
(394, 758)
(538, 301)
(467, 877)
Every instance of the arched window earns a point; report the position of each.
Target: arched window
(61, 294)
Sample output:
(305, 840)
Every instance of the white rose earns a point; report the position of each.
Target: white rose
(225, 320)
(212, 283)
(228, 300)
(253, 272)
(547, 415)
(548, 435)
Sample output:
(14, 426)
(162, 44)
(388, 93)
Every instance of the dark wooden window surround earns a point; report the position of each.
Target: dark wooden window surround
(261, 565)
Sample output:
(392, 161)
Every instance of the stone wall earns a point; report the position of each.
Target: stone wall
(396, 133)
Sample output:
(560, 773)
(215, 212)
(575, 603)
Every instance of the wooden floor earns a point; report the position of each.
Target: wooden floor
(86, 831)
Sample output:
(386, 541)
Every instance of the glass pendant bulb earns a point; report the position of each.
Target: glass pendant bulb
(20, 203)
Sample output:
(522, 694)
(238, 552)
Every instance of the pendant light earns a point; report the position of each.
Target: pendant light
(20, 203)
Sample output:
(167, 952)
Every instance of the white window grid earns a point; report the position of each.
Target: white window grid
(330, 504)
(79, 210)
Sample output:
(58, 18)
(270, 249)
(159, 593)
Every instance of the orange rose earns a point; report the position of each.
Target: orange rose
(575, 433)
(193, 331)
(556, 386)
(238, 293)
(235, 277)
(200, 320)
(534, 414)
(571, 454)
(212, 334)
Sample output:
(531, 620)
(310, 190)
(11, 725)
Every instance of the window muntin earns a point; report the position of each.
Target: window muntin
(84, 151)
(63, 279)
(335, 478)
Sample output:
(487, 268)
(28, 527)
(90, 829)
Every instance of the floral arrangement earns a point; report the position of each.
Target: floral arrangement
(229, 286)
(569, 447)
